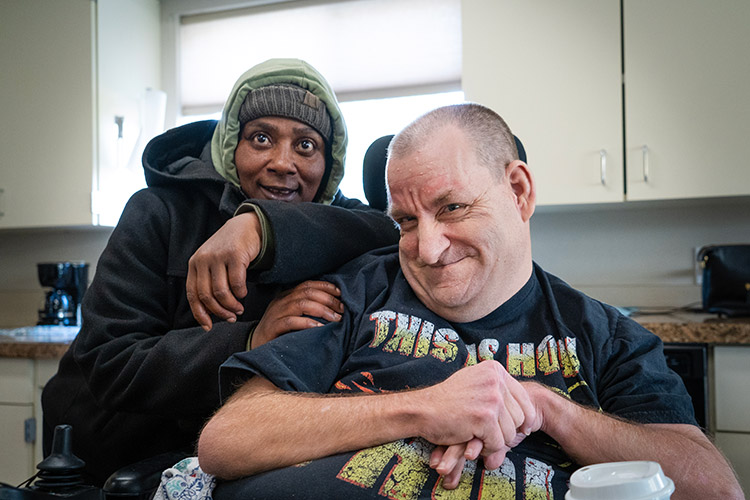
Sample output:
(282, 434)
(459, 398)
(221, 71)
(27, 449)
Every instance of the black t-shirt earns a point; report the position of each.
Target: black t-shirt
(389, 341)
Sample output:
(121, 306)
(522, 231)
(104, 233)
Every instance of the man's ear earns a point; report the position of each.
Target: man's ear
(523, 187)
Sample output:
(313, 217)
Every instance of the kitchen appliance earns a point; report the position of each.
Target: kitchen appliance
(690, 362)
(62, 304)
(726, 279)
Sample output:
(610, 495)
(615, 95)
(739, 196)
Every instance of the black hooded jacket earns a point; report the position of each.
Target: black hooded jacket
(142, 376)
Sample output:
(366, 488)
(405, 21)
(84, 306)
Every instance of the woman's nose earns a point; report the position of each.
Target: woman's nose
(282, 162)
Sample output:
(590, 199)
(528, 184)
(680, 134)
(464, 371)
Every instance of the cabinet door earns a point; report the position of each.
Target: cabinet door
(731, 375)
(736, 447)
(552, 69)
(16, 397)
(47, 108)
(687, 72)
(17, 456)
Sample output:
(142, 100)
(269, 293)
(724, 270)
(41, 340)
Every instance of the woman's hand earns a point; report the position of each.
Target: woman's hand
(217, 271)
(291, 310)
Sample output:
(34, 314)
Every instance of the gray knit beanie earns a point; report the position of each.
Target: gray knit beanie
(288, 101)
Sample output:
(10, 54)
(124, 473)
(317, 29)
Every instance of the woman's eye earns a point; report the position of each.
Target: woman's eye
(260, 138)
(307, 146)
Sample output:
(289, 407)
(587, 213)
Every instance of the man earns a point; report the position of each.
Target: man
(564, 380)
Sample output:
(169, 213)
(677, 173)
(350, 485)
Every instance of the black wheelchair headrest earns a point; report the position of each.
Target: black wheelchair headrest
(373, 170)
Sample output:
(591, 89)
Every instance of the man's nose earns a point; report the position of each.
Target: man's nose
(432, 242)
(282, 161)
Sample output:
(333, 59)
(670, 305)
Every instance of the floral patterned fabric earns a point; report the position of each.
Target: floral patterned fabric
(185, 481)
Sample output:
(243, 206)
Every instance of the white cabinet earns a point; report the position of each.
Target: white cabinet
(732, 402)
(70, 67)
(21, 384)
(16, 417)
(687, 73)
(554, 70)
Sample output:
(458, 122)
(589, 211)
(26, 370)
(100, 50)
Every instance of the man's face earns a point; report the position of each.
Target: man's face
(464, 241)
(280, 159)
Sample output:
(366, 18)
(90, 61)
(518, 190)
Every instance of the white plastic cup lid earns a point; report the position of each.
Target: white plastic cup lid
(620, 481)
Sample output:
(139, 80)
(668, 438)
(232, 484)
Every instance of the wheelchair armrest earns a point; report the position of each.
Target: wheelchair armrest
(138, 481)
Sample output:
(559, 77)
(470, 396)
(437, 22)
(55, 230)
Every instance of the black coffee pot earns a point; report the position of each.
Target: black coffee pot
(62, 304)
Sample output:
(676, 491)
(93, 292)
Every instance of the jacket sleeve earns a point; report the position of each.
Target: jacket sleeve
(310, 239)
(139, 349)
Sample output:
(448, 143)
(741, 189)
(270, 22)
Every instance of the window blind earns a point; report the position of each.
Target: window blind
(364, 48)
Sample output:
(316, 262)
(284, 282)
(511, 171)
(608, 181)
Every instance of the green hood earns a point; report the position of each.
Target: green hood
(275, 71)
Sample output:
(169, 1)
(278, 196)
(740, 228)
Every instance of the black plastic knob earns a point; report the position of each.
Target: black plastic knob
(61, 469)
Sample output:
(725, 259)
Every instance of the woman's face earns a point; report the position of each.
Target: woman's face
(280, 159)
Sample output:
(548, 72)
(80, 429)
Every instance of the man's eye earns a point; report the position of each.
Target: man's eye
(405, 221)
(454, 208)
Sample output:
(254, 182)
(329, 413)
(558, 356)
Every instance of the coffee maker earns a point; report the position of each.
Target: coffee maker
(62, 304)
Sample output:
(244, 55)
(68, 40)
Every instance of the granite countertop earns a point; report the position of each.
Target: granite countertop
(37, 342)
(41, 343)
(697, 327)
(33, 350)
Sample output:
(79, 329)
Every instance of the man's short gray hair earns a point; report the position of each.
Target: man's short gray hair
(494, 144)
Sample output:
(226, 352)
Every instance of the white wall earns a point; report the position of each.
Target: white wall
(638, 254)
(625, 254)
(21, 295)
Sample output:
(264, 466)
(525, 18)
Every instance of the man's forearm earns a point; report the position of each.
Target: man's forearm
(262, 428)
(685, 454)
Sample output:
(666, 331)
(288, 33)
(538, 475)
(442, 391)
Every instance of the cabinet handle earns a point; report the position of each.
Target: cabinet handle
(603, 166)
(644, 149)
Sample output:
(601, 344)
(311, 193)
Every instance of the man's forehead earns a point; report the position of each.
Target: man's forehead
(428, 161)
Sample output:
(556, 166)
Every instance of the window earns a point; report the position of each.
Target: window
(388, 60)
(368, 120)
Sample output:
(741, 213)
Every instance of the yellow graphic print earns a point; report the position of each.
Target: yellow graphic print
(463, 490)
(403, 481)
(498, 484)
(415, 337)
(405, 335)
(444, 345)
(488, 348)
(569, 357)
(382, 321)
(423, 341)
(547, 356)
(471, 356)
(521, 360)
(400, 471)
(538, 480)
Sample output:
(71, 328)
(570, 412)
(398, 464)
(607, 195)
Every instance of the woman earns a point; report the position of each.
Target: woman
(141, 377)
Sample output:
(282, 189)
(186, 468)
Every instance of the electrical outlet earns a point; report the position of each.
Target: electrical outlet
(697, 269)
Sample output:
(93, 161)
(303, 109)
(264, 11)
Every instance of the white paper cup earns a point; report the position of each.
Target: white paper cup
(620, 481)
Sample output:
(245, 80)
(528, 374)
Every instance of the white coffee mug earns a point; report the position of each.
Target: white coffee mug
(620, 481)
